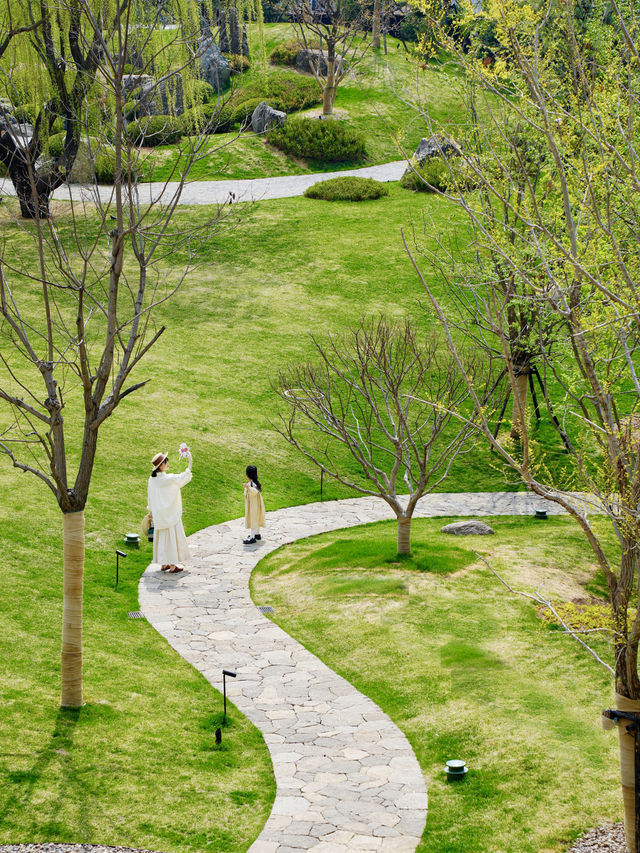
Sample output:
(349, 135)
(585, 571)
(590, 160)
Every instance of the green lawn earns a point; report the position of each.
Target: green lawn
(466, 670)
(375, 100)
(280, 270)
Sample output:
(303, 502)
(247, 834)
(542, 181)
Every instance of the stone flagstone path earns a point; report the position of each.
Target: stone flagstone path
(346, 776)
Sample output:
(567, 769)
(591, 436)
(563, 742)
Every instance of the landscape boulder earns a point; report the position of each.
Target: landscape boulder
(215, 67)
(434, 146)
(265, 117)
(309, 60)
(473, 527)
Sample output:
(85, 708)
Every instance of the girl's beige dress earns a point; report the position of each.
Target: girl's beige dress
(253, 508)
(165, 502)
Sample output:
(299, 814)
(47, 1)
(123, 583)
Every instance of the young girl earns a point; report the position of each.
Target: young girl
(253, 506)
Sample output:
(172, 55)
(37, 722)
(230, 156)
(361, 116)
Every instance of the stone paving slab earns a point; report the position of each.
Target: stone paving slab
(346, 776)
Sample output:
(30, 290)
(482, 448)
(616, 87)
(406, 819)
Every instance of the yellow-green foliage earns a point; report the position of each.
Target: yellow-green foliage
(582, 617)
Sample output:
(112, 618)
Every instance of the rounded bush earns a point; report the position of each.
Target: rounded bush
(155, 130)
(105, 166)
(284, 90)
(203, 92)
(285, 53)
(350, 188)
(243, 112)
(239, 63)
(56, 144)
(330, 141)
(431, 176)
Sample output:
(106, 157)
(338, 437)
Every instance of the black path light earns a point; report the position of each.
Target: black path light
(225, 673)
(118, 555)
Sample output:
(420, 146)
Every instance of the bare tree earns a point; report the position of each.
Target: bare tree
(76, 319)
(340, 30)
(571, 239)
(362, 395)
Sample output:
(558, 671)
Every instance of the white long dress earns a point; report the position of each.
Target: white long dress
(165, 502)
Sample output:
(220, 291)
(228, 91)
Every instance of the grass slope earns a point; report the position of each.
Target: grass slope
(287, 268)
(375, 99)
(465, 670)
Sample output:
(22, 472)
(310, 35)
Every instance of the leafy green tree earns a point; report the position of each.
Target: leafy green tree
(556, 208)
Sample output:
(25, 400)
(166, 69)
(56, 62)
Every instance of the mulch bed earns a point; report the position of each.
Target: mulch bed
(602, 839)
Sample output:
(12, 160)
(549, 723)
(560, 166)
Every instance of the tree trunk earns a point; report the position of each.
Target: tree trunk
(73, 547)
(627, 770)
(329, 91)
(32, 205)
(520, 396)
(375, 29)
(404, 534)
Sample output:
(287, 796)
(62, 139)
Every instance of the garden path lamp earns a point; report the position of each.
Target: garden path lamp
(225, 673)
(610, 718)
(118, 555)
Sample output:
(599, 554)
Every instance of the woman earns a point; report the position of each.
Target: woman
(165, 503)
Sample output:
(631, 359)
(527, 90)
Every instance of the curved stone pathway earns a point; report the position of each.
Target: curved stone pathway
(220, 192)
(346, 776)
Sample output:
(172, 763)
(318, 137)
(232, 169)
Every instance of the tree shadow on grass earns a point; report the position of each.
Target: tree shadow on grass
(26, 809)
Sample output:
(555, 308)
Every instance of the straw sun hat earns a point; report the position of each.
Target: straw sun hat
(158, 459)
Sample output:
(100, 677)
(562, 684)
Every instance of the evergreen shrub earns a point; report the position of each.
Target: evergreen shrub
(290, 91)
(285, 53)
(350, 188)
(431, 176)
(155, 130)
(330, 141)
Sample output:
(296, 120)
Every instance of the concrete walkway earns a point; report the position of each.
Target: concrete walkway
(221, 192)
(347, 778)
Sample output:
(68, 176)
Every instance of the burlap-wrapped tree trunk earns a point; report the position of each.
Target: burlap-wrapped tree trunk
(73, 546)
(520, 393)
(627, 770)
(404, 534)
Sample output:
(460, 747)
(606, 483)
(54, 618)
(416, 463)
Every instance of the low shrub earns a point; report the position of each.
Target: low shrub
(431, 176)
(203, 92)
(582, 617)
(243, 112)
(349, 188)
(105, 166)
(56, 144)
(285, 53)
(437, 174)
(331, 141)
(155, 130)
(239, 63)
(286, 89)
(215, 117)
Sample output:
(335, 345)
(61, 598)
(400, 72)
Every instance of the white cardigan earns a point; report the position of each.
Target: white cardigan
(164, 498)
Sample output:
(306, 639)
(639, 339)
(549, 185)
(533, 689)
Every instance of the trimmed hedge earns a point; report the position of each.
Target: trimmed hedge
(328, 140)
(285, 53)
(283, 90)
(243, 112)
(350, 188)
(431, 176)
(155, 130)
(238, 62)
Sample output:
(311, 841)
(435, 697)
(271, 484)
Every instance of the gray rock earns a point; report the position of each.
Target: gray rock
(435, 146)
(308, 60)
(265, 117)
(214, 66)
(19, 132)
(473, 527)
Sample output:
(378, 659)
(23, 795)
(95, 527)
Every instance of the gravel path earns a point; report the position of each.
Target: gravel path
(220, 192)
(603, 839)
(346, 776)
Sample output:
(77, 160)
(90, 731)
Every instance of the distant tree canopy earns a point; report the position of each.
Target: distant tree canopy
(65, 68)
